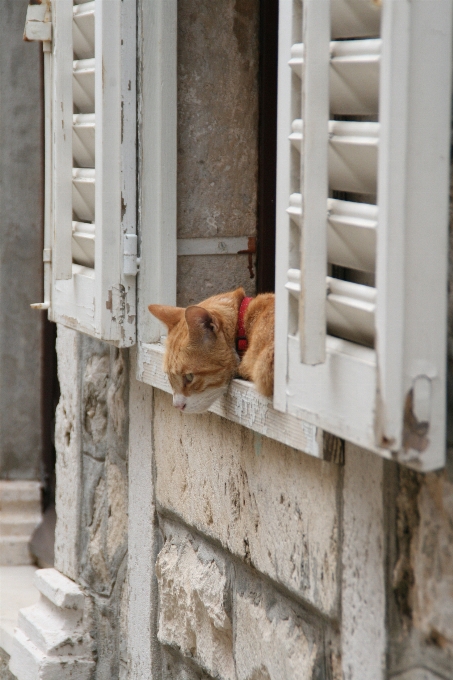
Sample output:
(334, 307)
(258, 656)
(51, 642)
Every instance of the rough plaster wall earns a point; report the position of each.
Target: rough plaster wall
(217, 138)
(20, 246)
(92, 498)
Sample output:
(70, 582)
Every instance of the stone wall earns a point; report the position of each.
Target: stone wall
(92, 503)
(246, 559)
(218, 57)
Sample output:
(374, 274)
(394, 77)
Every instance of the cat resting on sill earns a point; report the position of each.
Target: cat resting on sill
(200, 354)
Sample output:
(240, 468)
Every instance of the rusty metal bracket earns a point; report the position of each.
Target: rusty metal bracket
(251, 250)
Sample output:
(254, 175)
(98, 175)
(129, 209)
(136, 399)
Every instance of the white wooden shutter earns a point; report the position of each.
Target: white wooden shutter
(157, 176)
(91, 242)
(362, 198)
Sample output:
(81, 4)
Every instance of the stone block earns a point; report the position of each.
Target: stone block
(68, 445)
(58, 589)
(52, 641)
(177, 668)
(417, 674)
(363, 632)
(271, 505)
(270, 641)
(192, 606)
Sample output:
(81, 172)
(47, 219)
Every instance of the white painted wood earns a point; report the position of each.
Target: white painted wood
(83, 140)
(350, 308)
(84, 194)
(38, 22)
(314, 180)
(229, 245)
(83, 243)
(157, 183)
(410, 178)
(339, 395)
(243, 405)
(392, 219)
(100, 297)
(83, 30)
(350, 311)
(419, 254)
(48, 175)
(284, 190)
(353, 75)
(115, 167)
(353, 156)
(351, 234)
(355, 18)
(62, 139)
(83, 85)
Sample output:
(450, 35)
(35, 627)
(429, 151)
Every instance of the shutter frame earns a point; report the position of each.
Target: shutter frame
(377, 398)
(157, 173)
(99, 301)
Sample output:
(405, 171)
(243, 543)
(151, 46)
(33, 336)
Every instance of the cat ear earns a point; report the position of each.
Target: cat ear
(202, 325)
(170, 316)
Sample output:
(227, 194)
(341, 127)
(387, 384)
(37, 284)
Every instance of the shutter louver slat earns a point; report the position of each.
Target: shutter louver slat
(355, 19)
(83, 148)
(83, 243)
(353, 151)
(83, 85)
(350, 311)
(84, 134)
(83, 30)
(83, 195)
(353, 156)
(350, 307)
(353, 76)
(351, 234)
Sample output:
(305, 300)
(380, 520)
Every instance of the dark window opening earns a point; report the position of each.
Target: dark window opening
(267, 147)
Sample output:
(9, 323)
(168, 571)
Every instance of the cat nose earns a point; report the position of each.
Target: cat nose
(179, 401)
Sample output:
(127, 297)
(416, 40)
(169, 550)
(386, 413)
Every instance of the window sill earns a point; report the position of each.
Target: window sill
(242, 404)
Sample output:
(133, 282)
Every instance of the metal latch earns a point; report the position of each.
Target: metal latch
(130, 259)
(38, 23)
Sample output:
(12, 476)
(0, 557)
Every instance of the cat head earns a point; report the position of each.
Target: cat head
(200, 357)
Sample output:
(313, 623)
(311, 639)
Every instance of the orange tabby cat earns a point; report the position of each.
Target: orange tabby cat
(200, 355)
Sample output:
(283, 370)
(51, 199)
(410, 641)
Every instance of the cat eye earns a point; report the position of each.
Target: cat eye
(188, 377)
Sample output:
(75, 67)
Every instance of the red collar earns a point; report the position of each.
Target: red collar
(241, 338)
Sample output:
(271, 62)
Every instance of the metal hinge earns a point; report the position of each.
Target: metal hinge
(38, 23)
(131, 262)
